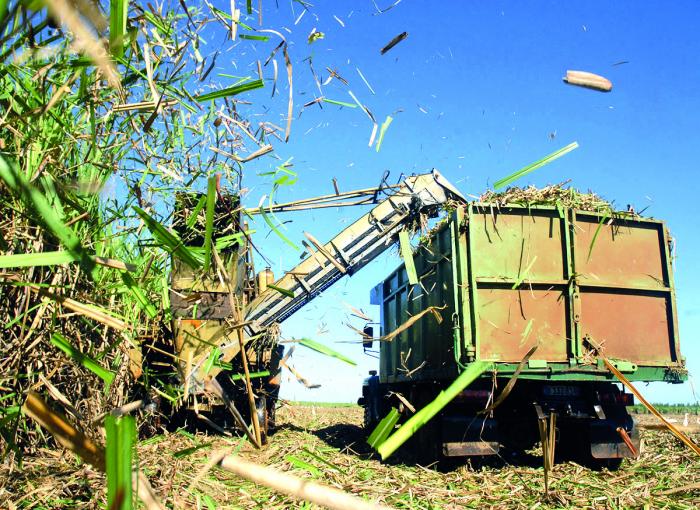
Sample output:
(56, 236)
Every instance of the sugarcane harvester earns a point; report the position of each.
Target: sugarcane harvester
(226, 321)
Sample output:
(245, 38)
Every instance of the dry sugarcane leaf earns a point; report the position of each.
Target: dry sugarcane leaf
(299, 377)
(410, 322)
(356, 312)
(90, 311)
(290, 104)
(396, 40)
(72, 19)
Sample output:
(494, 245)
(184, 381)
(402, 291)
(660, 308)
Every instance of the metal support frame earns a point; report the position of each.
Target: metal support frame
(352, 248)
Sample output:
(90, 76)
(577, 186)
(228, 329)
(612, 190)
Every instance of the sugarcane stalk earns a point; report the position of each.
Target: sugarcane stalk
(542, 426)
(674, 430)
(215, 387)
(300, 488)
(249, 387)
(238, 317)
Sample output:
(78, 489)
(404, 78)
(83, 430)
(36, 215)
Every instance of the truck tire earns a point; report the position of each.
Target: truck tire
(367, 421)
(261, 406)
(426, 444)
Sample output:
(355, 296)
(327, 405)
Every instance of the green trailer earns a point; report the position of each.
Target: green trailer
(512, 278)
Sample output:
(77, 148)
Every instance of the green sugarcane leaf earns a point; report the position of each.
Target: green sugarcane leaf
(37, 202)
(200, 205)
(165, 299)
(525, 274)
(382, 131)
(595, 235)
(62, 343)
(254, 37)
(186, 452)
(118, 12)
(49, 258)
(318, 347)
(209, 223)
(275, 229)
(221, 243)
(534, 166)
(144, 303)
(383, 428)
(407, 255)
(19, 317)
(285, 292)
(267, 218)
(3, 8)
(526, 332)
(119, 447)
(297, 462)
(238, 377)
(327, 462)
(155, 22)
(339, 103)
(211, 360)
(209, 502)
(230, 91)
(424, 415)
(168, 240)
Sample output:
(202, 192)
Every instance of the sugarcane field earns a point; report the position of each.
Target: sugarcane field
(349, 255)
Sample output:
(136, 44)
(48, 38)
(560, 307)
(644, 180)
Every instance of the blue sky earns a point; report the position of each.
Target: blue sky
(476, 92)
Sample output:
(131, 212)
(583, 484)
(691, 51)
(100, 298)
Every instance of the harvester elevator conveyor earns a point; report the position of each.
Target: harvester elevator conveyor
(352, 248)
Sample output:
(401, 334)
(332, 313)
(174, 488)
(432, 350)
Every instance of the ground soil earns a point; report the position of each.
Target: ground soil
(330, 442)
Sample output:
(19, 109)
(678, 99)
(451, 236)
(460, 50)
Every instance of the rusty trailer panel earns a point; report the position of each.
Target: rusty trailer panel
(511, 248)
(626, 297)
(517, 243)
(631, 326)
(512, 321)
(619, 252)
(512, 277)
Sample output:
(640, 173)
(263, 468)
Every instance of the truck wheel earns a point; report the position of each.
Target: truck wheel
(263, 418)
(426, 444)
(367, 421)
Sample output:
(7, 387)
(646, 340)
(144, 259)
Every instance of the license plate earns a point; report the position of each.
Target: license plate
(561, 391)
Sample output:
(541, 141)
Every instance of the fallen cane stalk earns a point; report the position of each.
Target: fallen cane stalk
(81, 445)
(214, 386)
(626, 438)
(313, 492)
(238, 317)
(676, 432)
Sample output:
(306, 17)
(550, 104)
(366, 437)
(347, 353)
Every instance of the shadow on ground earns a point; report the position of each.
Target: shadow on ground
(351, 439)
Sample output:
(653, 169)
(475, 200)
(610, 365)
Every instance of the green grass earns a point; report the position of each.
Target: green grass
(303, 403)
(667, 408)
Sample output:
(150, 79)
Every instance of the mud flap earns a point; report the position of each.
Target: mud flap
(465, 436)
(608, 443)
